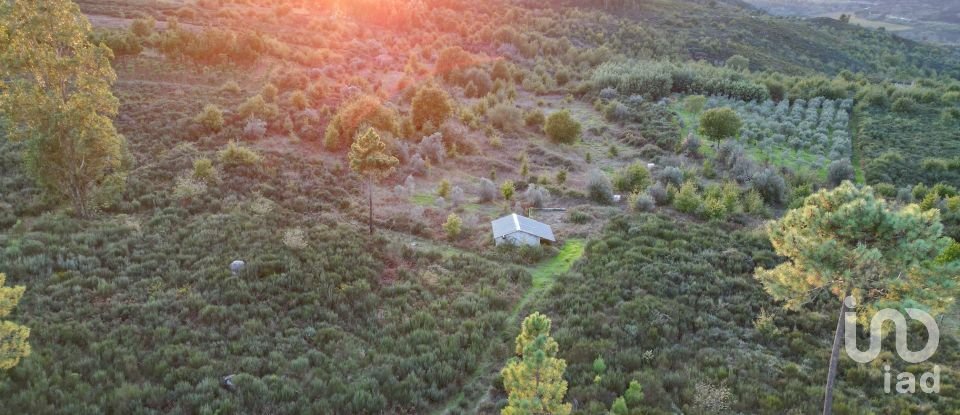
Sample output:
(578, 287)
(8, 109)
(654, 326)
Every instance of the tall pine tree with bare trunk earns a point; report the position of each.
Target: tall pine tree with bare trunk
(368, 156)
(55, 92)
(847, 242)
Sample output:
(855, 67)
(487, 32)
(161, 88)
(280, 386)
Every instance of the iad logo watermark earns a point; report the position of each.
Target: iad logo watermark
(906, 381)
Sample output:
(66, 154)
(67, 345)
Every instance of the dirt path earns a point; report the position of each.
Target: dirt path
(544, 275)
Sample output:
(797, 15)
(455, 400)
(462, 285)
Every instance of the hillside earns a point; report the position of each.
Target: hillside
(921, 20)
(240, 124)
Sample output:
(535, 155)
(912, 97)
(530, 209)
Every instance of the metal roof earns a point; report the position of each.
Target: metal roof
(516, 223)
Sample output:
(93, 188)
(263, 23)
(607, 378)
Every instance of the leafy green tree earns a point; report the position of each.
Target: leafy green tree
(55, 91)
(368, 156)
(431, 106)
(451, 61)
(562, 128)
(720, 123)
(534, 381)
(13, 337)
(351, 118)
(848, 242)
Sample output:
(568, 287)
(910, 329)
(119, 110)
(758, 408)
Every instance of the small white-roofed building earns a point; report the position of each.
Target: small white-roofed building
(520, 230)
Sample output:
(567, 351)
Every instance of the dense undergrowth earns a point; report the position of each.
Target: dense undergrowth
(674, 305)
(236, 138)
(144, 315)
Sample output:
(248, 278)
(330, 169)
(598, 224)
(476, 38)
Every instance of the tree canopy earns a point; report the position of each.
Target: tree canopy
(849, 239)
(55, 89)
(13, 337)
(720, 123)
(535, 382)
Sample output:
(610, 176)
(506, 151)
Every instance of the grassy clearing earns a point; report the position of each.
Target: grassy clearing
(545, 273)
(424, 199)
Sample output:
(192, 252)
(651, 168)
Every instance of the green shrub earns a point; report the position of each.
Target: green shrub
(770, 185)
(507, 190)
(694, 103)
(562, 128)
(713, 208)
(143, 27)
(443, 190)
(203, 170)
(904, 105)
(236, 155)
(534, 118)
(453, 226)
(687, 200)
(651, 79)
(634, 178)
(256, 106)
(505, 117)
(738, 63)
(776, 90)
(299, 100)
(839, 171)
(452, 61)
(211, 118)
(874, 96)
(231, 87)
(950, 115)
(599, 188)
(886, 190)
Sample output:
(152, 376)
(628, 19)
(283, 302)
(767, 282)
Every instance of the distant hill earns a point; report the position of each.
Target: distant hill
(924, 20)
(716, 30)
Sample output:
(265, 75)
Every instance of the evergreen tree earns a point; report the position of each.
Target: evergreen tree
(849, 243)
(534, 382)
(55, 89)
(13, 337)
(368, 157)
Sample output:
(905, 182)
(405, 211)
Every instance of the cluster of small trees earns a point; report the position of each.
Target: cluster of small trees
(656, 80)
(819, 127)
(211, 46)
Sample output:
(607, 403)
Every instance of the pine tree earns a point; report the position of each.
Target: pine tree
(849, 243)
(534, 382)
(55, 89)
(13, 337)
(368, 157)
